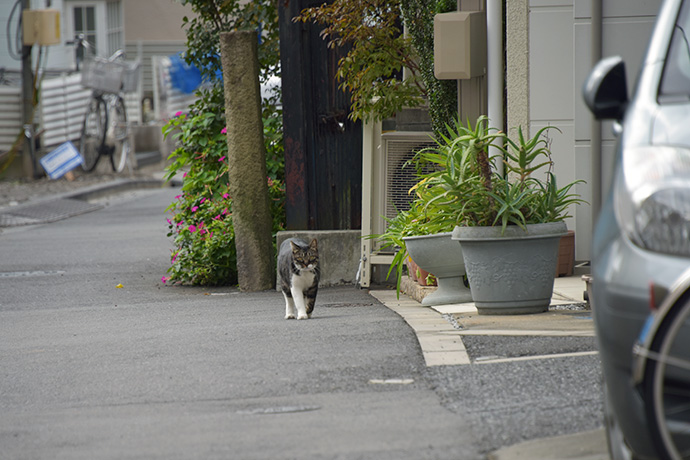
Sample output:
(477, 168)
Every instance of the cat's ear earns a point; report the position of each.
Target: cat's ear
(313, 244)
(295, 248)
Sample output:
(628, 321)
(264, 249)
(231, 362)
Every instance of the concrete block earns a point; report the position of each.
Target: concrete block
(339, 253)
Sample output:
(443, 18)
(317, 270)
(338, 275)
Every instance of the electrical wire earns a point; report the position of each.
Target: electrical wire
(16, 51)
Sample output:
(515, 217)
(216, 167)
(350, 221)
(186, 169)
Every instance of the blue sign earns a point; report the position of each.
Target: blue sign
(61, 160)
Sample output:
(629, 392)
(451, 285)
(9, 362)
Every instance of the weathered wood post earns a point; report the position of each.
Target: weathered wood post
(251, 214)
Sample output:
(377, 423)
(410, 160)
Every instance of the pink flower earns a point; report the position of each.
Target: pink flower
(202, 201)
(217, 217)
(178, 113)
(164, 279)
(178, 197)
(224, 130)
(192, 228)
(194, 208)
(184, 175)
(226, 195)
(222, 159)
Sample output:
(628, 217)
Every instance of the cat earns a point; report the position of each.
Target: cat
(299, 272)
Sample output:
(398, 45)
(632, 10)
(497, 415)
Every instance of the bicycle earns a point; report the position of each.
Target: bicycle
(105, 131)
(661, 371)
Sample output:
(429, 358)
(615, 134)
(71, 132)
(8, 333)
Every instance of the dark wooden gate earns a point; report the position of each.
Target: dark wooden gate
(323, 147)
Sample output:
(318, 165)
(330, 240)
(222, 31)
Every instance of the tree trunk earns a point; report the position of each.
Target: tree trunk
(251, 214)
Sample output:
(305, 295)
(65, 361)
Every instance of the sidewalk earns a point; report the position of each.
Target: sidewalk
(441, 343)
(14, 192)
(27, 202)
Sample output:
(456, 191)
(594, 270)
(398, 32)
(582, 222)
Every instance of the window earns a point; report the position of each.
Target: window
(675, 81)
(84, 20)
(99, 21)
(115, 32)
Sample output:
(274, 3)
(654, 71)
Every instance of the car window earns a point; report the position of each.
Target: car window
(675, 81)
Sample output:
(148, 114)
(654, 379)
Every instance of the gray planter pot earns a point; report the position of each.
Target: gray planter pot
(440, 255)
(511, 273)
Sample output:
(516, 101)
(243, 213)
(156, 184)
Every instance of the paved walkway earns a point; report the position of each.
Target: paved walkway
(441, 341)
(442, 345)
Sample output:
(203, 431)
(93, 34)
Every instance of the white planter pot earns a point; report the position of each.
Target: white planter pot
(440, 255)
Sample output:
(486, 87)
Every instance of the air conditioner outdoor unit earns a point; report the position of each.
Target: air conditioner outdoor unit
(385, 187)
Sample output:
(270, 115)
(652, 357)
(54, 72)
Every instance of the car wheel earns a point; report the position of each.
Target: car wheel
(618, 447)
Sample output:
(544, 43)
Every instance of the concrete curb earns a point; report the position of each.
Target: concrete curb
(43, 210)
(588, 445)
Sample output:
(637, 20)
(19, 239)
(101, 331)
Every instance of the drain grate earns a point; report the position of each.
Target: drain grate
(46, 212)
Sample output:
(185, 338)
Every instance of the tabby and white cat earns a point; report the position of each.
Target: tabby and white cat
(298, 268)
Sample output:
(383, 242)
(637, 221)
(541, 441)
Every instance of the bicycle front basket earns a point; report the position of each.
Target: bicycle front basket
(130, 79)
(102, 75)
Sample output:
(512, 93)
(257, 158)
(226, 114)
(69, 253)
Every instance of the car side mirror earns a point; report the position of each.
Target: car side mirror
(606, 91)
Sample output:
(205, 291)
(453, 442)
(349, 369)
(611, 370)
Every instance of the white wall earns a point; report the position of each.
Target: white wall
(559, 50)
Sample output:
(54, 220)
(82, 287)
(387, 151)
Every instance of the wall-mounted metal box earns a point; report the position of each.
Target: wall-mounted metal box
(41, 27)
(459, 45)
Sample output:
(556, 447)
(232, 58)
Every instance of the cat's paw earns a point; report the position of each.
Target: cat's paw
(302, 316)
(289, 316)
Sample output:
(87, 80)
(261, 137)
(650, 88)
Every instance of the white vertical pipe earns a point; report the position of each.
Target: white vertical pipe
(596, 50)
(494, 51)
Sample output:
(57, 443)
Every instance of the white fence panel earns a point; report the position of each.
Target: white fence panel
(10, 116)
(143, 51)
(62, 108)
(63, 105)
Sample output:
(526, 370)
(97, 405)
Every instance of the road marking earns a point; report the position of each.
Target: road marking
(492, 360)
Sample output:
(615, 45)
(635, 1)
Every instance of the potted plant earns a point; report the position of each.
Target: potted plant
(509, 225)
(424, 235)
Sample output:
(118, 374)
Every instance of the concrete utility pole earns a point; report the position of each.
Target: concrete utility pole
(27, 104)
(251, 214)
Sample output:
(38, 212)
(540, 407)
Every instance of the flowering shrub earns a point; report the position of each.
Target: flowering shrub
(201, 216)
(204, 239)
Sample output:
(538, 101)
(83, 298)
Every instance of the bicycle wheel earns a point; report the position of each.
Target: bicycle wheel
(666, 384)
(93, 133)
(118, 137)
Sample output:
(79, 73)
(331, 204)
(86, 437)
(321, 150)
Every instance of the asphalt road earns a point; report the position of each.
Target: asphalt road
(89, 370)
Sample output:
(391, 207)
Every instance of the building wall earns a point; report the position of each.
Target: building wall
(155, 20)
(558, 46)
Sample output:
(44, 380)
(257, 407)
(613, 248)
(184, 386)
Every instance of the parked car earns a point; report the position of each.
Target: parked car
(642, 235)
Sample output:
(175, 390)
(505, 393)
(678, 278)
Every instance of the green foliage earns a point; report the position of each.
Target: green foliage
(377, 52)
(461, 186)
(442, 94)
(201, 222)
(204, 239)
(215, 16)
(467, 187)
